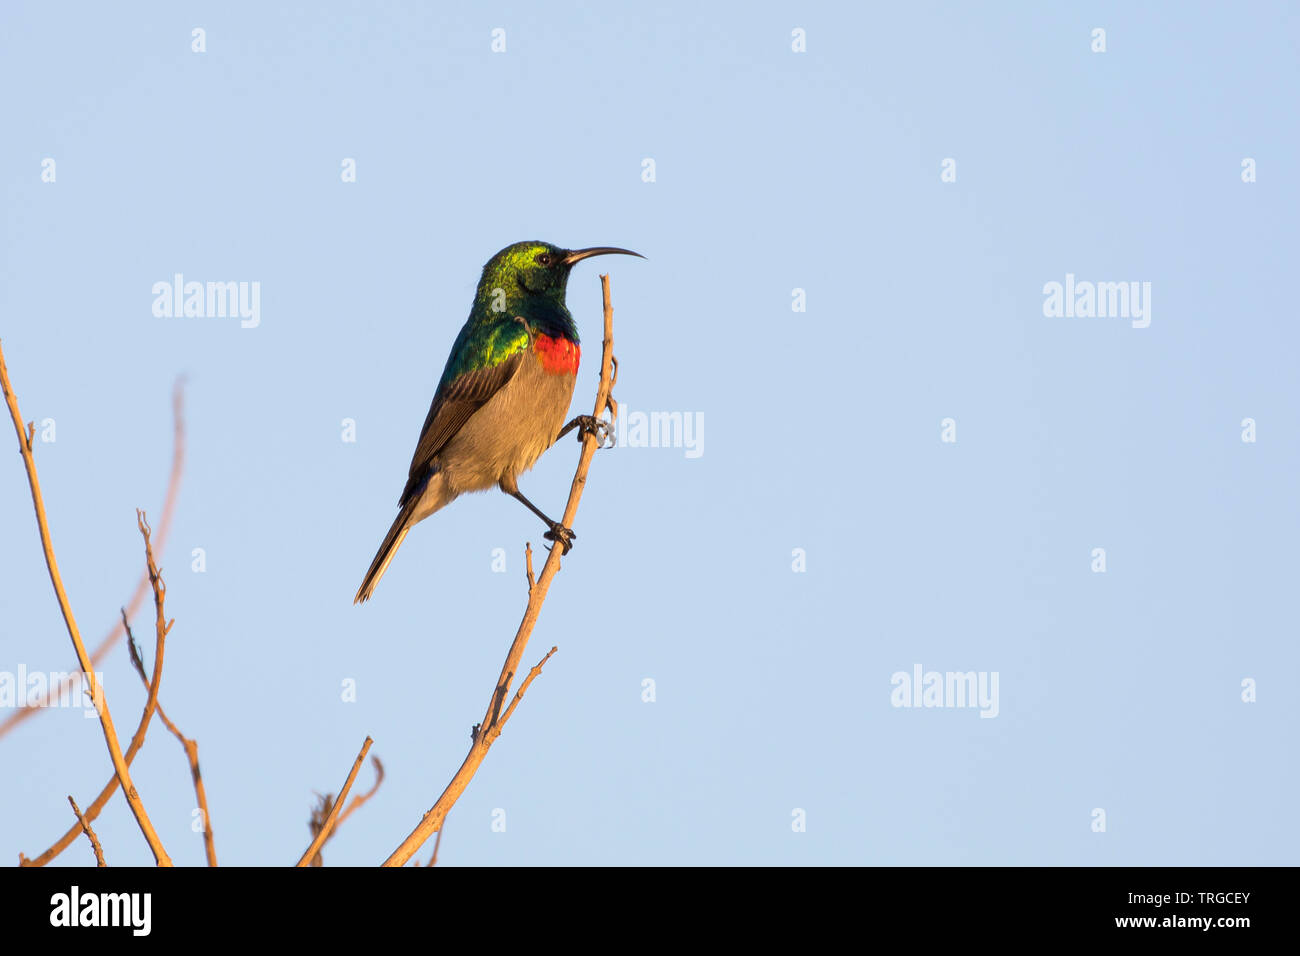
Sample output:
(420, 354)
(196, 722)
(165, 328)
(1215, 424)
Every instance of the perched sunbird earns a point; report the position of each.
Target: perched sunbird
(503, 395)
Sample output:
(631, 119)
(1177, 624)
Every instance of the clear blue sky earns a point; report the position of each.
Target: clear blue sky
(775, 171)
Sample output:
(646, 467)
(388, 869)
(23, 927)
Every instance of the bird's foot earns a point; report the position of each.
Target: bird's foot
(591, 425)
(562, 536)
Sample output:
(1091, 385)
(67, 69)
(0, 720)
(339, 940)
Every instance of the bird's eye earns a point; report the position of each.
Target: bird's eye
(544, 259)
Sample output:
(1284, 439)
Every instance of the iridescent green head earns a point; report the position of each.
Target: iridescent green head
(528, 269)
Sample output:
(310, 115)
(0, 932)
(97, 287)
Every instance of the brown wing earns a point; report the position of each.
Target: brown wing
(451, 409)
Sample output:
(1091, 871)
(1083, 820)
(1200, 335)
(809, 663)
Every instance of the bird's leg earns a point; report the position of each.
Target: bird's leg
(590, 425)
(558, 533)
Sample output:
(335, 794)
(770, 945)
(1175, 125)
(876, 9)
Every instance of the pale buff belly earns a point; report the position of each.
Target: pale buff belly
(507, 435)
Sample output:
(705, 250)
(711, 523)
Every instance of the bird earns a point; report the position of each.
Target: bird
(503, 394)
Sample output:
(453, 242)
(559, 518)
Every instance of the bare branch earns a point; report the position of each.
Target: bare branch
(437, 843)
(324, 833)
(150, 705)
(322, 811)
(83, 659)
(532, 676)
(191, 747)
(90, 834)
(361, 798)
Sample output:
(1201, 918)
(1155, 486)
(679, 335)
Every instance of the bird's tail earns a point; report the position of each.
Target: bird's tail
(392, 541)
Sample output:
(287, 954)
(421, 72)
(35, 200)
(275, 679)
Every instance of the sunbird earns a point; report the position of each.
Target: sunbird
(503, 394)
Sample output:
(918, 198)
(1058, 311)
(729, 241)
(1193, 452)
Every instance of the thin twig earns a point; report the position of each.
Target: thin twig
(532, 676)
(487, 732)
(137, 739)
(191, 748)
(437, 843)
(42, 703)
(96, 690)
(90, 834)
(328, 825)
(528, 565)
(322, 811)
(361, 798)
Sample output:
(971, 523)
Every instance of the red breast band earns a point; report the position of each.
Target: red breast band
(559, 356)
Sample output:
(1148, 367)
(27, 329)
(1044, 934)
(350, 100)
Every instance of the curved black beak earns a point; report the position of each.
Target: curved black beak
(577, 255)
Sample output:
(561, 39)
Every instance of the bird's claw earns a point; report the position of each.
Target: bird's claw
(598, 428)
(562, 536)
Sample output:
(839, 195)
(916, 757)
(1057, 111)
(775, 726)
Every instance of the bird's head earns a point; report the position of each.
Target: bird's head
(536, 268)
